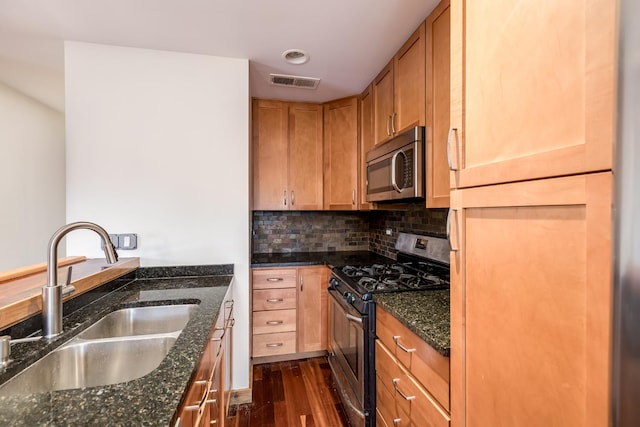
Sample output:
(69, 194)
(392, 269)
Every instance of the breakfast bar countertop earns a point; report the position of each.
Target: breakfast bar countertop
(151, 400)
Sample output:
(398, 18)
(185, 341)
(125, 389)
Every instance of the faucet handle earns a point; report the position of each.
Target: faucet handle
(68, 289)
(5, 349)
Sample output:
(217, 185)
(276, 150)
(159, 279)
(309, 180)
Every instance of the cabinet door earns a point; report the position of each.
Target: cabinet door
(530, 303)
(532, 89)
(270, 136)
(383, 104)
(312, 308)
(305, 156)
(341, 154)
(409, 83)
(438, 105)
(365, 144)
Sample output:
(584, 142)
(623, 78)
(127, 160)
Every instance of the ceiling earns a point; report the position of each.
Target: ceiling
(348, 41)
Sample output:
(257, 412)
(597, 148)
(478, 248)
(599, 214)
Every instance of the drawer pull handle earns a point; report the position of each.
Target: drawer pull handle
(212, 401)
(396, 422)
(277, 344)
(395, 386)
(275, 300)
(275, 322)
(403, 348)
(274, 279)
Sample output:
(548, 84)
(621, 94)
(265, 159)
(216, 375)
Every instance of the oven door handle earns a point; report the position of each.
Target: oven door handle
(353, 318)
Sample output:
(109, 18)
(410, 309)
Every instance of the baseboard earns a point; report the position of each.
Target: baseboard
(240, 396)
(285, 357)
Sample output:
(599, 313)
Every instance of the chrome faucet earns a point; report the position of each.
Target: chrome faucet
(52, 293)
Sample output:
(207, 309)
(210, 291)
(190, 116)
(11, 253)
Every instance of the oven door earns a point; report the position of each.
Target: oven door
(347, 358)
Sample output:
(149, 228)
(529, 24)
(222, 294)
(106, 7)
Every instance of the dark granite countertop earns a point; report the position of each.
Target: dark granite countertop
(150, 400)
(330, 259)
(426, 313)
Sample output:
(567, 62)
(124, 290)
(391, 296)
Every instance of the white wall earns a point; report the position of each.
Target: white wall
(32, 188)
(158, 145)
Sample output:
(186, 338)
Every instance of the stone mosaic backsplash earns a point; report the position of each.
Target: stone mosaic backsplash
(321, 231)
(309, 231)
(416, 219)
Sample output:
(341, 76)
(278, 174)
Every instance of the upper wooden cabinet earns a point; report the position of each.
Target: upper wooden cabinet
(438, 90)
(365, 144)
(341, 154)
(399, 90)
(532, 89)
(270, 135)
(287, 155)
(305, 156)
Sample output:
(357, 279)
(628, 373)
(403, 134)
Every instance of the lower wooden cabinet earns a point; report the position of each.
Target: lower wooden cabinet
(207, 399)
(412, 379)
(289, 310)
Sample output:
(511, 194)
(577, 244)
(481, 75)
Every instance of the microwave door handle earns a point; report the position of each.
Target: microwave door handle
(393, 172)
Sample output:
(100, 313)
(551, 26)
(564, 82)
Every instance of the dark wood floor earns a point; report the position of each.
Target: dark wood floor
(297, 393)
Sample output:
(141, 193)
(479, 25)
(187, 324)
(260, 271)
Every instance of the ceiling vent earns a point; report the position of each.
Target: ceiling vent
(294, 81)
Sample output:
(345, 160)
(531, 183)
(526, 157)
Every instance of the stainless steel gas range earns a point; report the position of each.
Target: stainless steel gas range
(422, 264)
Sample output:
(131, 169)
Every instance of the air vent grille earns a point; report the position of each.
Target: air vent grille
(294, 81)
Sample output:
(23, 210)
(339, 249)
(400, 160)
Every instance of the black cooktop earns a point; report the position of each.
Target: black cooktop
(405, 275)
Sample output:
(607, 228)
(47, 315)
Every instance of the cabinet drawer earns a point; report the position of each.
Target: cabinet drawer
(380, 422)
(388, 371)
(266, 322)
(274, 278)
(274, 344)
(387, 408)
(274, 299)
(428, 366)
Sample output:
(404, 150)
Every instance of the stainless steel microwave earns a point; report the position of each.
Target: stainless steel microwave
(395, 169)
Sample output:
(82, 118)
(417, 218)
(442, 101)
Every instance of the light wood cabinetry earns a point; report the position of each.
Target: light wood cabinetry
(287, 155)
(412, 379)
(532, 89)
(290, 312)
(532, 105)
(312, 308)
(207, 399)
(305, 156)
(274, 315)
(365, 143)
(399, 90)
(438, 105)
(341, 154)
(530, 302)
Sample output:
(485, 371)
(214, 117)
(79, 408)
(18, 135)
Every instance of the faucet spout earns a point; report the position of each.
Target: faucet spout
(52, 292)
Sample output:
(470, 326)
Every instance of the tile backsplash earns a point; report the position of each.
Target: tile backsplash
(309, 231)
(320, 231)
(416, 219)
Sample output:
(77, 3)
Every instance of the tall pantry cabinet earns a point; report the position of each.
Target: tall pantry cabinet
(531, 148)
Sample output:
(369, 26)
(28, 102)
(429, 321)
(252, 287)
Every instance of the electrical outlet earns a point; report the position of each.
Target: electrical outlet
(128, 241)
(388, 231)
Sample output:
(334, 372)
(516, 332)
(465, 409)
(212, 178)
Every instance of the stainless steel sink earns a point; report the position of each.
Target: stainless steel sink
(122, 346)
(141, 321)
(91, 363)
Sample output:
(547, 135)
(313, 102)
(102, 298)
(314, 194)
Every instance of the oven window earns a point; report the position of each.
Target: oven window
(347, 342)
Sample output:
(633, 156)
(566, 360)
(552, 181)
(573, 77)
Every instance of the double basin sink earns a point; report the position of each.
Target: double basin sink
(122, 346)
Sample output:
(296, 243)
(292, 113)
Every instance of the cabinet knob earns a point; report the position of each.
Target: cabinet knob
(393, 124)
(353, 197)
(449, 158)
(284, 198)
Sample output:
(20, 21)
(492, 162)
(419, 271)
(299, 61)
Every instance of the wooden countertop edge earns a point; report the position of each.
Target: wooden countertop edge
(18, 273)
(20, 310)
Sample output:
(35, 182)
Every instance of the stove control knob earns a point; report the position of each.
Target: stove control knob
(333, 282)
(346, 295)
(351, 299)
(367, 297)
